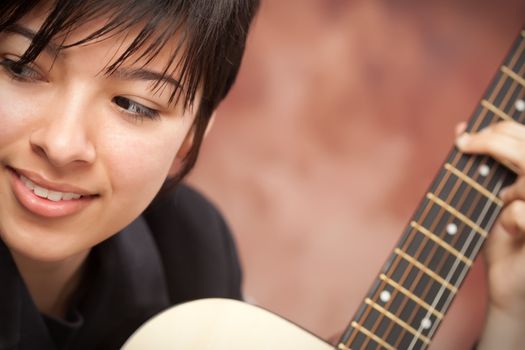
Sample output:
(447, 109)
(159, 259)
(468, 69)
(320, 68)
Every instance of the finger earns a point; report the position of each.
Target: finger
(460, 128)
(504, 148)
(516, 191)
(510, 128)
(512, 219)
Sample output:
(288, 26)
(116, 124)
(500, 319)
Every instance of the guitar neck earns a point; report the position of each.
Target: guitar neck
(417, 284)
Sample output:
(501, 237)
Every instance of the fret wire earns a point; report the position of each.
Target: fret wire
(450, 296)
(465, 269)
(397, 320)
(425, 293)
(438, 298)
(495, 110)
(513, 58)
(342, 346)
(492, 219)
(457, 214)
(417, 279)
(513, 75)
(365, 314)
(473, 184)
(412, 296)
(423, 268)
(452, 271)
(371, 335)
(427, 288)
(471, 236)
(379, 319)
(475, 251)
(441, 243)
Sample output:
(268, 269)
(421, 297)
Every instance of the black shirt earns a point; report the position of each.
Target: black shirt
(180, 249)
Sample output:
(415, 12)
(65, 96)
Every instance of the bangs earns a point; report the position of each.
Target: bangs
(210, 37)
(200, 59)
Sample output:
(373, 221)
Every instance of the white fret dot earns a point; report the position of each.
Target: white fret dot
(384, 296)
(484, 170)
(520, 105)
(452, 229)
(426, 323)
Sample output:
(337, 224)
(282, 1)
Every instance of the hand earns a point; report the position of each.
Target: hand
(505, 246)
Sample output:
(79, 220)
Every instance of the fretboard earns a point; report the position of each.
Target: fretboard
(417, 284)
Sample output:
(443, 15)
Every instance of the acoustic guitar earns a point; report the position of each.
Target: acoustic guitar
(415, 287)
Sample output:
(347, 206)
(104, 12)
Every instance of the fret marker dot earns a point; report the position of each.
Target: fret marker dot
(452, 229)
(384, 296)
(520, 105)
(426, 323)
(484, 170)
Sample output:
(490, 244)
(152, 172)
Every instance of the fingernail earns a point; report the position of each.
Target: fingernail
(460, 128)
(502, 192)
(462, 140)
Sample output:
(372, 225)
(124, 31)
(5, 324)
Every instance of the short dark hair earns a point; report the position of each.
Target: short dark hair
(212, 41)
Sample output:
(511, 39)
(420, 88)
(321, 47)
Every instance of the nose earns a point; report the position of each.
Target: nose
(63, 137)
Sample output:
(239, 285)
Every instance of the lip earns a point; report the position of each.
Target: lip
(42, 182)
(44, 207)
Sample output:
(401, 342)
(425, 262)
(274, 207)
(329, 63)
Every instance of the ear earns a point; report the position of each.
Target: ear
(186, 147)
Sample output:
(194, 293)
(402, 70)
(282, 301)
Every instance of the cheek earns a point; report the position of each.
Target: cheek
(14, 115)
(138, 165)
(19, 111)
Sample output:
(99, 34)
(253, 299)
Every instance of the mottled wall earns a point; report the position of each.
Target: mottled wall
(341, 116)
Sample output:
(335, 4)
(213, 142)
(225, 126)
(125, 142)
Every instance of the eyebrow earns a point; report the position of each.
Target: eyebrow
(120, 73)
(144, 74)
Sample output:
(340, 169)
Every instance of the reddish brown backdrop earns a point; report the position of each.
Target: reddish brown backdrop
(341, 115)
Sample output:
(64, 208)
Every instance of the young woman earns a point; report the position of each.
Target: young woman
(104, 102)
(101, 102)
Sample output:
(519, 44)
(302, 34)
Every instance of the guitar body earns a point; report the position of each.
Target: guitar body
(221, 324)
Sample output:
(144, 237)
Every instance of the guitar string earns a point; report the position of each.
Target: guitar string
(505, 103)
(514, 88)
(485, 111)
(401, 281)
(438, 254)
(477, 247)
(393, 267)
(432, 254)
(396, 264)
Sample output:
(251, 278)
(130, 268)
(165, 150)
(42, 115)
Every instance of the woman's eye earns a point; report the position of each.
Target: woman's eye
(135, 109)
(22, 72)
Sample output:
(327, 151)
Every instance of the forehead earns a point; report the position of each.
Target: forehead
(123, 44)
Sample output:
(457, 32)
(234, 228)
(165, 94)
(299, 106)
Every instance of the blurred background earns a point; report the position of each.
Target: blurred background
(341, 116)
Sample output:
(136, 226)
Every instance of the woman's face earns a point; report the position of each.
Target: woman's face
(69, 130)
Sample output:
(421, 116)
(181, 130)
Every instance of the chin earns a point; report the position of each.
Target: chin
(45, 249)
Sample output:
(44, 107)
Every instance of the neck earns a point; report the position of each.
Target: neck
(51, 284)
(417, 284)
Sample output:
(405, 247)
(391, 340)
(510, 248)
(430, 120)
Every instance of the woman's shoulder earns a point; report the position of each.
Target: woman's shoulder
(185, 212)
(195, 244)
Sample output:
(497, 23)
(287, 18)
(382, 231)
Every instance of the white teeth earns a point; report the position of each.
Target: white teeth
(28, 183)
(54, 196)
(40, 191)
(68, 196)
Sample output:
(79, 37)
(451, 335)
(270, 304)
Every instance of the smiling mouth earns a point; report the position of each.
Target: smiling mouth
(48, 199)
(43, 192)
(48, 193)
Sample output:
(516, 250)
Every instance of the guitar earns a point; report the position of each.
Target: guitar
(414, 289)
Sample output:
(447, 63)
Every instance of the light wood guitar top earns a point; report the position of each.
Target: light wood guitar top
(222, 324)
